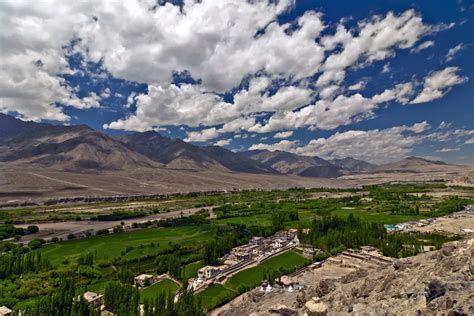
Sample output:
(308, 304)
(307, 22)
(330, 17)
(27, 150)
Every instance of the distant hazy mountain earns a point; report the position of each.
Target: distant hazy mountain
(76, 148)
(289, 163)
(414, 164)
(353, 165)
(176, 153)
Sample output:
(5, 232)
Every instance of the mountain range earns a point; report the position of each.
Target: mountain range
(82, 149)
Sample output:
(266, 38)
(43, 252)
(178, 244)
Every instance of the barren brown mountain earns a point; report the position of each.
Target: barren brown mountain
(39, 161)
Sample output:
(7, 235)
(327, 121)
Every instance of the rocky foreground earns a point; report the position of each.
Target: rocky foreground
(440, 282)
(434, 283)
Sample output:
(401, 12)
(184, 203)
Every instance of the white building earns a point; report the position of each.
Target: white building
(143, 280)
(93, 298)
(5, 311)
(208, 272)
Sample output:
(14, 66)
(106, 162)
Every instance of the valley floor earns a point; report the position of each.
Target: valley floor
(39, 184)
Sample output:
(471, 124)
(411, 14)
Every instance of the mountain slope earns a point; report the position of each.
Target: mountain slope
(289, 163)
(411, 164)
(353, 165)
(73, 148)
(174, 153)
(178, 154)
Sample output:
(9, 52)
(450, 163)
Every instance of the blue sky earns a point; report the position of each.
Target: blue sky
(375, 80)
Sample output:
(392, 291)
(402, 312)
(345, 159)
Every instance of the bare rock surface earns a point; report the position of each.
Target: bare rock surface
(434, 283)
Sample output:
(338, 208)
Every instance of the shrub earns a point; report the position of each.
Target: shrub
(32, 229)
(102, 232)
(36, 243)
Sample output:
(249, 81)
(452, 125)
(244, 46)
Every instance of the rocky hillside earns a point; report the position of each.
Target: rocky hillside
(433, 283)
(71, 148)
(288, 163)
(354, 165)
(175, 153)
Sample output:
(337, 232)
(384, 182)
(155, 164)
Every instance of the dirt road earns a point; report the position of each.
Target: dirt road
(62, 229)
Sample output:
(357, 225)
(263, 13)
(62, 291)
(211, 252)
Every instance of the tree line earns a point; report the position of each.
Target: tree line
(333, 234)
(19, 263)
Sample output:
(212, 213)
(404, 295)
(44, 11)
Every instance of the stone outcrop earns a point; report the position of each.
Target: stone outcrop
(433, 283)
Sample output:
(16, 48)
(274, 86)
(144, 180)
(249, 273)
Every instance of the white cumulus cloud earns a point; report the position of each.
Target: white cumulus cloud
(438, 83)
(283, 134)
(454, 51)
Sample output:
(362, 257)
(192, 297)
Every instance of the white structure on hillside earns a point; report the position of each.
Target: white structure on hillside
(143, 280)
(93, 298)
(5, 311)
(208, 272)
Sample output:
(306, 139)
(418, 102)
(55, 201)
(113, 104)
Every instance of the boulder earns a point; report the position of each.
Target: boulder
(315, 307)
(283, 310)
(435, 288)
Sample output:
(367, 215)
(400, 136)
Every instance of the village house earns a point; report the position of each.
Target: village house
(5, 311)
(93, 299)
(242, 255)
(208, 272)
(143, 280)
(257, 241)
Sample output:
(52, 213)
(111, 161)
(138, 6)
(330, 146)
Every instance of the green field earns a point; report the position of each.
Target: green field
(378, 217)
(111, 246)
(215, 295)
(218, 294)
(156, 289)
(190, 270)
(249, 278)
(261, 219)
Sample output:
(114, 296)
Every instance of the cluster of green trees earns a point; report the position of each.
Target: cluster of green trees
(163, 305)
(19, 263)
(450, 205)
(86, 259)
(36, 243)
(405, 187)
(216, 248)
(334, 234)
(62, 302)
(226, 238)
(399, 208)
(280, 217)
(124, 275)
(9, 230)
(169, 263)
(399, 193)
(121, 299)
(196, 219)
(330, 232)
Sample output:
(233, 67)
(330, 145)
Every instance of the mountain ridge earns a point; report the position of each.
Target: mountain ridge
(176, 153)
(81, 148)
(289, 163)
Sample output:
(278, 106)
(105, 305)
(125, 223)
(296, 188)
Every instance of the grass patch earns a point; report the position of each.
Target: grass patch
(253, 220)
(190, 270)
(111, 246)
(156, 289)
(216, 295)
(282, 264)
